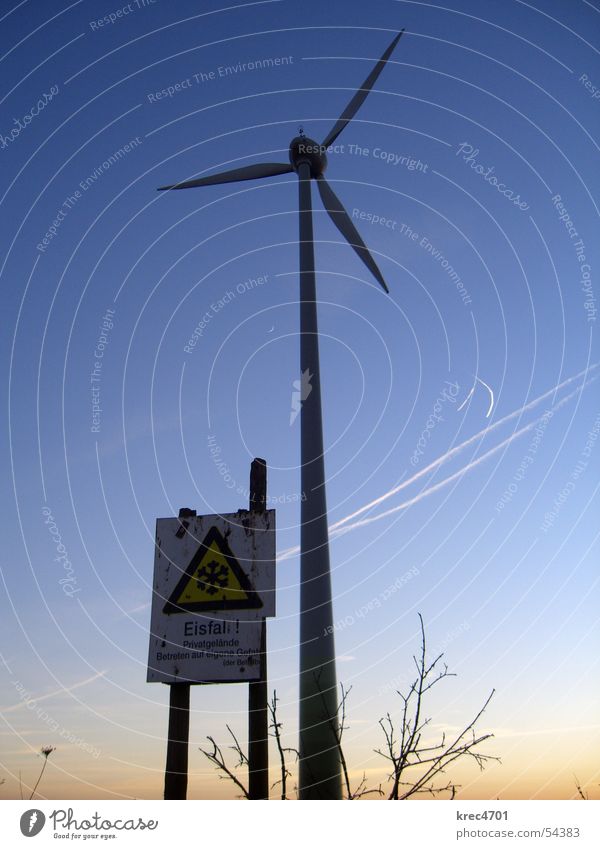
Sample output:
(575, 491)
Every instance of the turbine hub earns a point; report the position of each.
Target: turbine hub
(303, 149)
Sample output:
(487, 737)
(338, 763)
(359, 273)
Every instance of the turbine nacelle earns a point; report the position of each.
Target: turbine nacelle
(307, 151)
(303, 149)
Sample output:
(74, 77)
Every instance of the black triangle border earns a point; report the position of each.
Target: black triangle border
(253, 601)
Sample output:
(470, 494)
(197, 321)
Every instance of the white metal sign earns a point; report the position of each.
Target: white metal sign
(214, 582)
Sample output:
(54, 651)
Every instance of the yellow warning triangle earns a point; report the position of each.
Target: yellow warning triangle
(213, 580)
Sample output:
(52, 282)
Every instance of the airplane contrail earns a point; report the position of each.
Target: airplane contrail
(341, 526)
(61, 692)
(458, 448)
(348, 527)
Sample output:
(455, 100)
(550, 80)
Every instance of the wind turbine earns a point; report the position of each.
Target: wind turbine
(319, 750)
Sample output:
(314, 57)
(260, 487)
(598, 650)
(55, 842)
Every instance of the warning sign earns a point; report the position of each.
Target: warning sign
(207, 650)
(214, 580)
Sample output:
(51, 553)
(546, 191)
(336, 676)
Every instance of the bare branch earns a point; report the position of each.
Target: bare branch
(242, 757)
(276, 726)
(338, 725)
(411, 752)
(340, 730)
(216, 758)
(362, 790)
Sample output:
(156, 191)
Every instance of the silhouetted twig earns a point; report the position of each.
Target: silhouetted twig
(408, 750)
(216, 757)
(46, 751)
(338, 726)
(282, 750)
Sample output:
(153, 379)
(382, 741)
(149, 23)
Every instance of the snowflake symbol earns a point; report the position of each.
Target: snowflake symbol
(212, 576)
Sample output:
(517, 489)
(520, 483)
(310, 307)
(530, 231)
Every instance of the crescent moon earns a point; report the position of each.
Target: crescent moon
(489, 389)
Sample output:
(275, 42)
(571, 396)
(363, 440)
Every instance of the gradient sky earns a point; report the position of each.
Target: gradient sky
(501, 561)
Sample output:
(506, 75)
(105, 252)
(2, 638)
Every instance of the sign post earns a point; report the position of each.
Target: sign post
(176, 771)
(213, 587)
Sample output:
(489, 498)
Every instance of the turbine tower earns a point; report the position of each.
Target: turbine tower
(319, 750)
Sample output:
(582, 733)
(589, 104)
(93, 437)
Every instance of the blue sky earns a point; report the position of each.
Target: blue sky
(473, 92)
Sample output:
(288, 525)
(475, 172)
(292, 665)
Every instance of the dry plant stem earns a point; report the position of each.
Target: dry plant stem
(339, 727)
(410, 750)
(46, 752)
(276, 726)
(216, 757)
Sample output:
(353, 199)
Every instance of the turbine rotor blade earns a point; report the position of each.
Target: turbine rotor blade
(360, 96)
(343, 222)
(248, 172)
